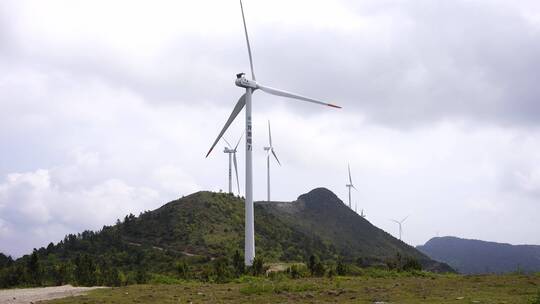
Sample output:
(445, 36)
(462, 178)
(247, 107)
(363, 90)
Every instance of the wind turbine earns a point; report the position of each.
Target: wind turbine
(350, 185)
(250, 85)
(232, 155)
(269, 149)
(400, 223)
(362, 214)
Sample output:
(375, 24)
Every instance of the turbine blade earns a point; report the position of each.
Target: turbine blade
(236, 170)
(354, 187)
(239, 140)
(281, 93)
(403, 220)
(269, 134)
(275, 156)
(237, 108)
(247, 41)
(350, 179)
(228, 144)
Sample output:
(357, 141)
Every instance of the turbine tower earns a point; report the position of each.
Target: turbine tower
(232, 156)
(269, 149)
(400, 223)
(251, 85)
(350, 185)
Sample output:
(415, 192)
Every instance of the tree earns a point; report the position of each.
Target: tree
(5, 261)
(59, 273)
(315, 266)
(258, 266)
(34, 271)
(294, 271)
(341, 268)
(319, 269)
(182, 268)
(221, 269)
(85, 270)
(311, 264)
(411, 264)
(238, 263)
(141, 276)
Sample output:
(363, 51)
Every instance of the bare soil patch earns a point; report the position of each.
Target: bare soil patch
(33, 295)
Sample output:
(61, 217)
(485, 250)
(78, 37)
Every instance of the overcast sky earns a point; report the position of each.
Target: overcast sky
(109, 107)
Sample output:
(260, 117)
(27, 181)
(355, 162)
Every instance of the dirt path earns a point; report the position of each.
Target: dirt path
(32, 295)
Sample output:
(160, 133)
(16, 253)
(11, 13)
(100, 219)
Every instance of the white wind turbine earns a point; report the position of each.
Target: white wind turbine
(350, 185)
(250, 85)
(232, 156)
(269, 149)
(400, 223)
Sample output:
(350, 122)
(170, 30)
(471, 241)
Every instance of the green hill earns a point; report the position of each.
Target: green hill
(205, 226)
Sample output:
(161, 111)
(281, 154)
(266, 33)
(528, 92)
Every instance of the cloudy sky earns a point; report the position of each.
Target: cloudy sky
(108, 107)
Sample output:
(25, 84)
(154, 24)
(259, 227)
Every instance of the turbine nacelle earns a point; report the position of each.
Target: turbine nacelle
(243, 82)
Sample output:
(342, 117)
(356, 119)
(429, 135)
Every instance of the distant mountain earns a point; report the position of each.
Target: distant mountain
(475, 256)
(207, 225)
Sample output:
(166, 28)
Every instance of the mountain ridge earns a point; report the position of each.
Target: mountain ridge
(472, 256)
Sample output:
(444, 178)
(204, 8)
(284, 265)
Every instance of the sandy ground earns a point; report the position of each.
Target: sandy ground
(32, 295)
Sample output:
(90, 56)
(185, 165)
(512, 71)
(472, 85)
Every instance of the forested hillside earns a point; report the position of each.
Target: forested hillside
(205, 230)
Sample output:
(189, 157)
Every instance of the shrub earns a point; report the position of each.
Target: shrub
(411, 264)
(331, 272)
(163, 279)
(238, 263)
(536, 299)
(293, 271)
(315, 266)
(221, 270)
(258, 266)
(341, 268)
(319, 269)
(182, 269)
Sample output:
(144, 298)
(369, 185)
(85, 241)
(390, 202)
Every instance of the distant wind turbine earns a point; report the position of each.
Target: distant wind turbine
(350, 185)
(362, 214)
(251, 85)
(269, 149)
(232, 155)
(400, 223)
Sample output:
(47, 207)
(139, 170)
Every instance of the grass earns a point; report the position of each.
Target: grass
(432, 288)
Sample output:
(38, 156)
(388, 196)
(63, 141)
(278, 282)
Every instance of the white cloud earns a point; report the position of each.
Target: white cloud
(109, 108)
(36, 208)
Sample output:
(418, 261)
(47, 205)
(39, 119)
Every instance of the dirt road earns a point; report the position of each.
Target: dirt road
(32, 295)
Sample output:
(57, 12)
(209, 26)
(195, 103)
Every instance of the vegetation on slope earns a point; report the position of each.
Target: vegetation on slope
(198, 237)
(321, 213)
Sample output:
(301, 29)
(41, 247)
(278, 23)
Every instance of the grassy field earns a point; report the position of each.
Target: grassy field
(364, 289)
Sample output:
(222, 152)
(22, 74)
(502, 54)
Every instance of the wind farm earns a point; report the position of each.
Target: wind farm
(197, 152)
